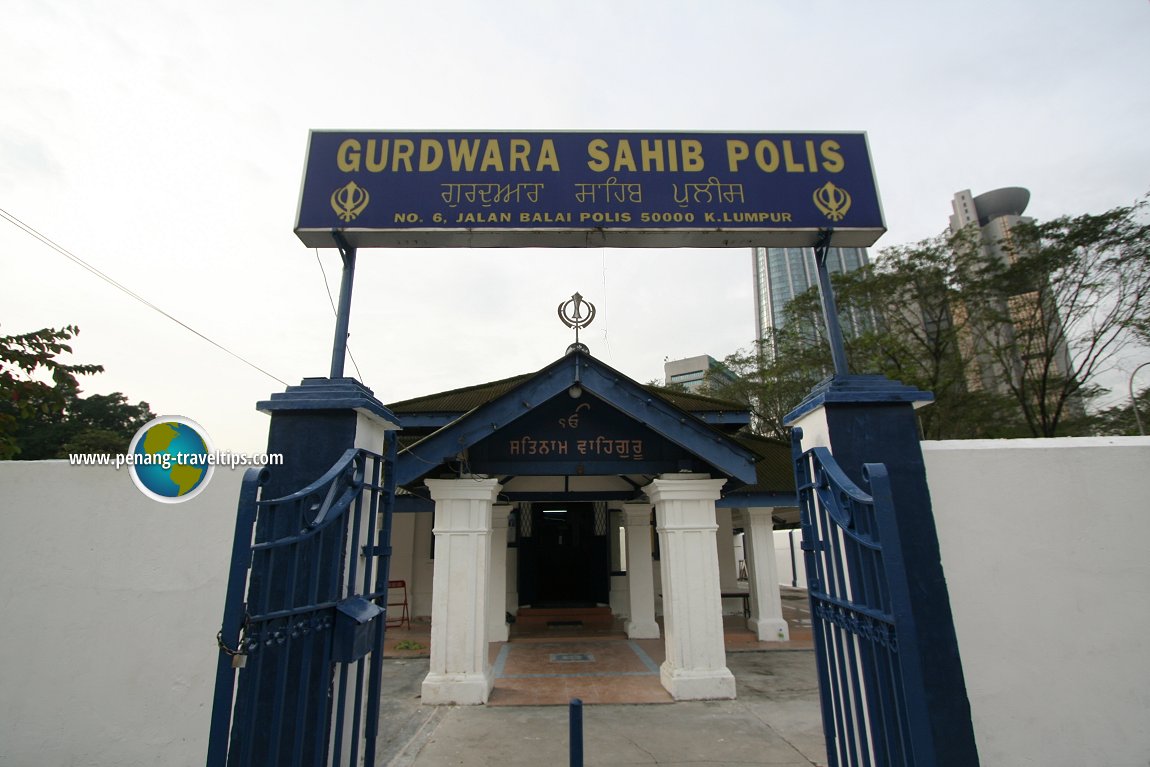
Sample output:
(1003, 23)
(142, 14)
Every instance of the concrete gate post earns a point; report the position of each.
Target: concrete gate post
(696, 665)
(766, 602)
(865, 419)
(459, 670)
(640, 577)
(312, 426)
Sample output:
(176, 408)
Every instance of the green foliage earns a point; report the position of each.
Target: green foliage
(1010, 345)
(42, 414)
(408, 644)
(767, 389)
(1070, 297)
(1120, 420)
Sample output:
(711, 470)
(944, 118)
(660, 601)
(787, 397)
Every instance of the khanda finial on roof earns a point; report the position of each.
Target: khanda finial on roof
(577, 313)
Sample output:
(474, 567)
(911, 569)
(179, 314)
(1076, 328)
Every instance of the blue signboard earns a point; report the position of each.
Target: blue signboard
(565, 189)
(578, 437)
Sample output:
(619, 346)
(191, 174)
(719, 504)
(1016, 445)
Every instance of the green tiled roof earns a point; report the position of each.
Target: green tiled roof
(470, 397)
(458, 400)
(773, 471)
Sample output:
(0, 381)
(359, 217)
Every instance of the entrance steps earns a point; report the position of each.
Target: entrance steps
(542, 618)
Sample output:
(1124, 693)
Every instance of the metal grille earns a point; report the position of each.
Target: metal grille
(305, 677)
(600, 517)
(525, 520)
(870, 683)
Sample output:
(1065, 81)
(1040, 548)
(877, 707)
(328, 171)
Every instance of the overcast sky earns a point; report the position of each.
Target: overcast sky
(163, 142)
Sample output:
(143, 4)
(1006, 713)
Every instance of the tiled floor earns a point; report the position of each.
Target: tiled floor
(604, 669)
(550, 666)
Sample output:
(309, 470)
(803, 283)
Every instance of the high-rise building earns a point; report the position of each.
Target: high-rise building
(780, 274)
(992, 216)
(692, 372)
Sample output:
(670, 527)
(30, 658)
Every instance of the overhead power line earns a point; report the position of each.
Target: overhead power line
(31, 231)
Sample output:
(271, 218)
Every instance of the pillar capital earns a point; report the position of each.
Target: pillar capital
(684, 487)
(759, 514)
(473, 488)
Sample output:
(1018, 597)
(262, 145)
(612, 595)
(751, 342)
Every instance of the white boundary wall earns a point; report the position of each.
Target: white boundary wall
(111, 604)
(1044, 547)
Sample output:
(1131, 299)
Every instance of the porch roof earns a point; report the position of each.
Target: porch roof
(440, 428)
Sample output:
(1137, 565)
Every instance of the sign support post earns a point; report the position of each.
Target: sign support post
(343, 313)
(830, 310)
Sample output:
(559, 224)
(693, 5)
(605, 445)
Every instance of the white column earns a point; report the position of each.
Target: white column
(766, 602)
(459, 670)
(513, 562)
(620, 603)
(696, 665)
(728, 570)
(640, 578)
(497, 593)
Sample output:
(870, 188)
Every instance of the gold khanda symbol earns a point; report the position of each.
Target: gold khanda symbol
(832, 201)
(349, 201)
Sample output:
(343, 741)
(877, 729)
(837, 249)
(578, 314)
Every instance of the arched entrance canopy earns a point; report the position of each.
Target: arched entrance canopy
(579, 417)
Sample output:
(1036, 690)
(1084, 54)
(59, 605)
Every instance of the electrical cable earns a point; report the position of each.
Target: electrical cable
(31, 231)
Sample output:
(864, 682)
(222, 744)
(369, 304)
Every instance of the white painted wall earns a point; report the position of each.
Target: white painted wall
(783, 558)
(1043, 544)
(111, 604)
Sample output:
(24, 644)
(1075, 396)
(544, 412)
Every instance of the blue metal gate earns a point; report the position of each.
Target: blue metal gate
(874, 703)
(299, 669)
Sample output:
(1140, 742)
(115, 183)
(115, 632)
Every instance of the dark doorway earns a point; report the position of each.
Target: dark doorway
(566, 561)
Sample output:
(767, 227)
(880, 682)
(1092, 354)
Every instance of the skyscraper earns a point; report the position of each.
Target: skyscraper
(780, 274)
(991, 217)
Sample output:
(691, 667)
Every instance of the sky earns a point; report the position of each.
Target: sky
(163, 143)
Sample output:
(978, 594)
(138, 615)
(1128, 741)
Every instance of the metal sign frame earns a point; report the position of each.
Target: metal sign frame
(587, 189)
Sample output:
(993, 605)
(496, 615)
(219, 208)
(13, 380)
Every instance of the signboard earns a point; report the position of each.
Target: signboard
(565, 189)
(575, 437)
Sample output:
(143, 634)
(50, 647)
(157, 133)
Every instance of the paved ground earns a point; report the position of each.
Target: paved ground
(774, 721)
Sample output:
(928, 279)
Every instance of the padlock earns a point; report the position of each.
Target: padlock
(239, 660)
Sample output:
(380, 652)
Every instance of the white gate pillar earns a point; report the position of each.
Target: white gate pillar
(696, 665)
(640, 577)
(766, 602)
(459, 670)
(497, 593)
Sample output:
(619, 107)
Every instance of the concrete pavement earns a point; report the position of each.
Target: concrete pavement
(774, 721)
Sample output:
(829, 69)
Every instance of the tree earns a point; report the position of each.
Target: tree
(1069, 298)
(898, 322)
(1120, 420)
(42, 414)
(1009, 339)
(770, 386)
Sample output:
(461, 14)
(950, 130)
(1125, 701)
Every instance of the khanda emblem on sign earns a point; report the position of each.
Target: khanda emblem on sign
(832, 201)
(349, 201)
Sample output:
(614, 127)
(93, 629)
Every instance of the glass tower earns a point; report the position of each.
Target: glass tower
(783, 273)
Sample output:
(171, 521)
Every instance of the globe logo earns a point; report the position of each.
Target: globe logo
(169, 459)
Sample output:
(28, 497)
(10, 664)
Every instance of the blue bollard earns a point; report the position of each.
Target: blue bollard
(575, 716)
